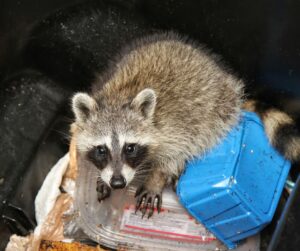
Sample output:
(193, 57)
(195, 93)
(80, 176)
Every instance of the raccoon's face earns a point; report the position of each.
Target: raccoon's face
(116, 139)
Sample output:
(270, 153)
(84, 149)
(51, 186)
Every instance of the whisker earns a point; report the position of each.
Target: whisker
(140, 177)
(142, 172)
(64, 135)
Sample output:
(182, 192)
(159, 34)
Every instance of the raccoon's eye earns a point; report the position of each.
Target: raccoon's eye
(101, 150)
(131, 148)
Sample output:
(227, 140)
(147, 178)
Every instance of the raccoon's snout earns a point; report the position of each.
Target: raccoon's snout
(117, 182)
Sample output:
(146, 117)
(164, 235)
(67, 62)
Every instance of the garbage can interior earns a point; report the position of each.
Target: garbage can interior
(40, 69)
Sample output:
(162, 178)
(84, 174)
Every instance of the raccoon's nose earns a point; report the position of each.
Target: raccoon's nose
(117, 182)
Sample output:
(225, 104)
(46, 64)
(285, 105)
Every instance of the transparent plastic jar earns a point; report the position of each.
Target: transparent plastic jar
(114, 224)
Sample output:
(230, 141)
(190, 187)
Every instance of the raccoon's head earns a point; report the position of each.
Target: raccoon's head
(117, 138)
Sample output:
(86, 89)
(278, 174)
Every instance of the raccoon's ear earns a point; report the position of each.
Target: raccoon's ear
(83, 105)
(145, 102)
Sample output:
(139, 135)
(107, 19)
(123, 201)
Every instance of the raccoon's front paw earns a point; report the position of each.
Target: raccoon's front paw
(103, 191)
(145, 201)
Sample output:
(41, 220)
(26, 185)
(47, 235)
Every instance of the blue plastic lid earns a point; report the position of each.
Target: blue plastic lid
(234, 189)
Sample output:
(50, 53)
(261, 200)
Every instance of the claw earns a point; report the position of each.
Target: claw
(138, 203)
(151, 209)
(147, 201)
(158, 203)
(143, 210)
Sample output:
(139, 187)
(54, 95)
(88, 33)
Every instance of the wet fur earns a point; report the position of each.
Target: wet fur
(196, 102)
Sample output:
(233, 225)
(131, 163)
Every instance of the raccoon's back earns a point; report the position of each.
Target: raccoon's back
(191, 84)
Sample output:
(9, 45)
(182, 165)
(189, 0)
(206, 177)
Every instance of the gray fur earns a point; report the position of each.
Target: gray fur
(168, 94)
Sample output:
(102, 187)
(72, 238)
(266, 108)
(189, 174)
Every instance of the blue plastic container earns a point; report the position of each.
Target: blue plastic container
(235, 188)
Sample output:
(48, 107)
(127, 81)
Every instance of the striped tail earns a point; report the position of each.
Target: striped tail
(280, 128)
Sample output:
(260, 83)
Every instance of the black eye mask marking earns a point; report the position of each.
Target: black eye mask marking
(134, 154)
(99, 155)
(130, 149)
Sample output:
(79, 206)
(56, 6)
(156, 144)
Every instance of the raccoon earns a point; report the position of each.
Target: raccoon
(164, 101)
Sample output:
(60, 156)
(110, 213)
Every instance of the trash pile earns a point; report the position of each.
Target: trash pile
(68, 212)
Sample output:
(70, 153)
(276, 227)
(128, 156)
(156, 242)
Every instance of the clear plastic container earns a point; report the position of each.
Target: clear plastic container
(114, 224)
